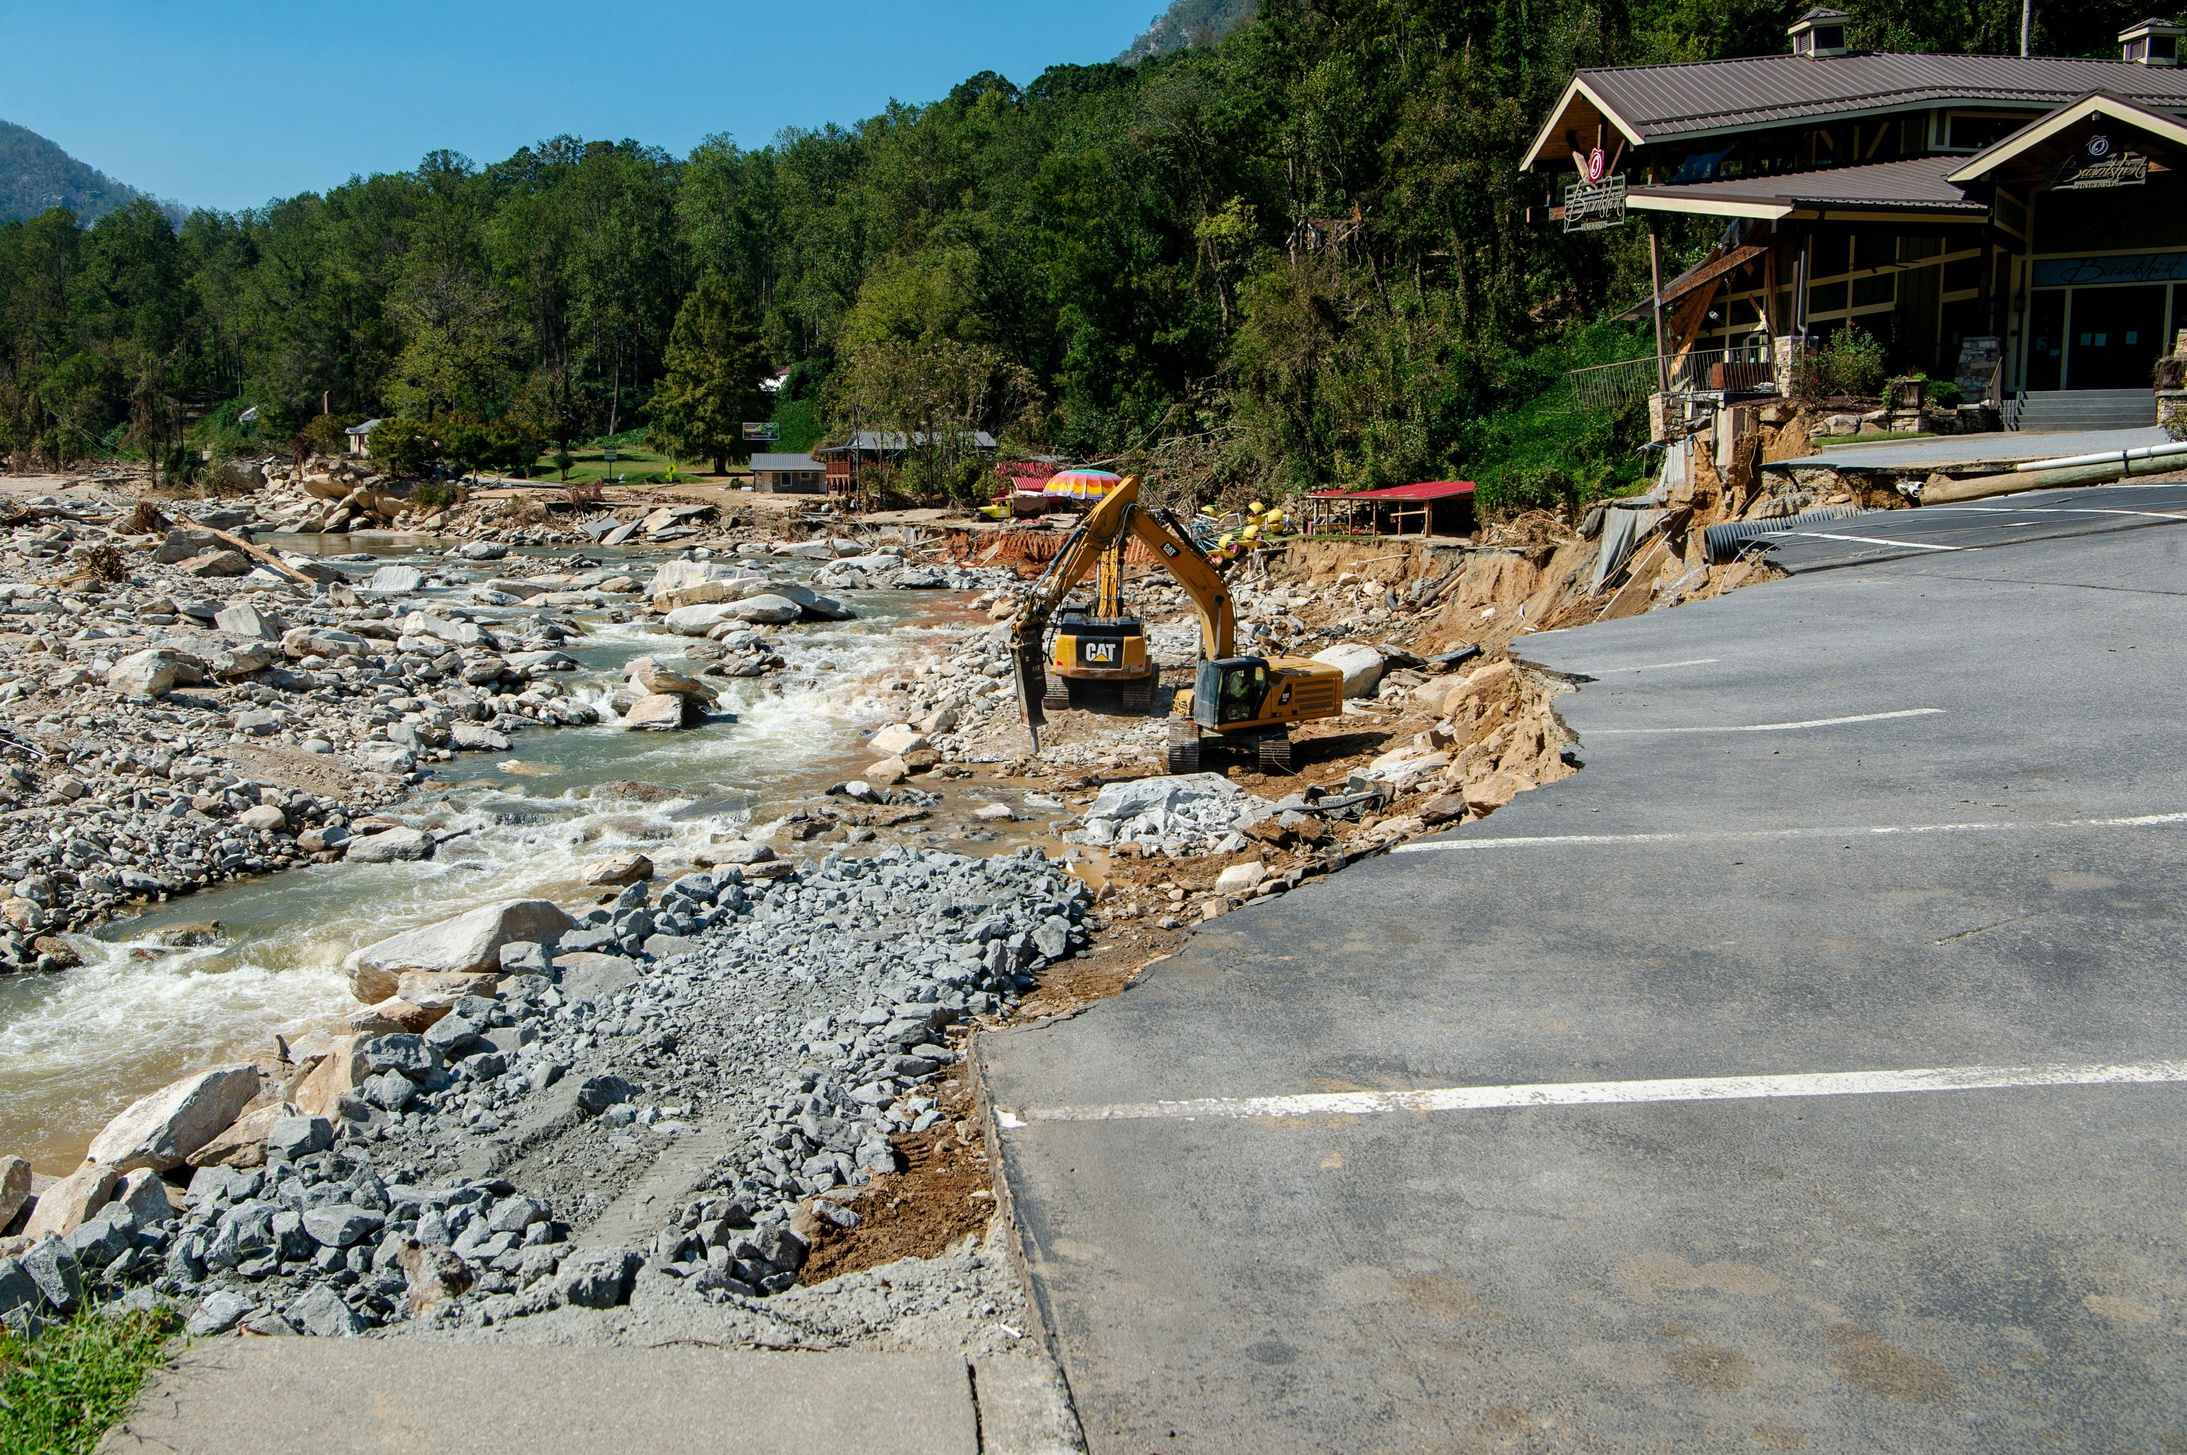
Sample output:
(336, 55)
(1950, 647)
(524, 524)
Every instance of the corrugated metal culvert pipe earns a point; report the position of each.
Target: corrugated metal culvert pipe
(1725, 541)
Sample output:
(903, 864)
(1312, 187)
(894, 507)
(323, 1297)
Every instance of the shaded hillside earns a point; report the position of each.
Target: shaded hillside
(36, 175)
(1190, 23)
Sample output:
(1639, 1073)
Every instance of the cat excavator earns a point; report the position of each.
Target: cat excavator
(1237, 701)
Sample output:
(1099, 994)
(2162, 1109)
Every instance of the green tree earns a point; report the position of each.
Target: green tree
(714, 367)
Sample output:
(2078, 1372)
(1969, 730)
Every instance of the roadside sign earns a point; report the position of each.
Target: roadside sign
(1593, 206)
(765, 433)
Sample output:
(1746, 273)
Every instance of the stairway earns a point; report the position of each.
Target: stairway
(2055, 411)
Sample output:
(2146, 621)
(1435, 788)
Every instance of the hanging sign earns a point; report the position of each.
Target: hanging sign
(1594, 205)
(2096, 165)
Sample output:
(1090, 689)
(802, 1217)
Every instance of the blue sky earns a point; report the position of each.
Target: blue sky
(225, 104)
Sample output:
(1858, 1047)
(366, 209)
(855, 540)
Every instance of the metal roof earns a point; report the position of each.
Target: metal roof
(786, 463)
(1425, 490)
(1652, 105)
(1918, 184)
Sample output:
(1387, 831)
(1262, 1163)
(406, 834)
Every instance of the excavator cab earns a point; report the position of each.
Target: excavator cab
(1229, 691)
(1251, 702)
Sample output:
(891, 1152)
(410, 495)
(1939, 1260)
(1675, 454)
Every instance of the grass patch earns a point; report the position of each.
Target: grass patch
(60, 1392)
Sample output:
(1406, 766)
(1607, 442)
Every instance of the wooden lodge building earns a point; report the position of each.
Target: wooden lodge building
(2017, 223)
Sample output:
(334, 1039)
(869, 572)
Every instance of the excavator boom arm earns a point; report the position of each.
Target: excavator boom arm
(1197, 574)
(1103, 525)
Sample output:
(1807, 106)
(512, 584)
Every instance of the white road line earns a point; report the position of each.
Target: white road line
(1662, 666)
(1616, 1093)
(2068, 510)
(1843, 831)
(1823, 535)
(1763, 727)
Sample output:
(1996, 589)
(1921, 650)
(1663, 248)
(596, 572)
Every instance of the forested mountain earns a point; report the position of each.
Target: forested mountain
(1190, 23)
(36, 175)
(1295, 258)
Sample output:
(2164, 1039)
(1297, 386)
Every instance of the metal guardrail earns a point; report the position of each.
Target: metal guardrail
(1740, 369)
(1606, 386)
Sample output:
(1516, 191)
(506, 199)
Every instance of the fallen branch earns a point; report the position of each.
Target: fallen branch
(262, 556)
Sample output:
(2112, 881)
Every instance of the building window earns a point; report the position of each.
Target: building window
(1872, 292)
(1965, 131)
(1826, 298)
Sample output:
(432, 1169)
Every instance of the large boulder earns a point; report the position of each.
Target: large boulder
(246, 620)
(653, 677)
(339, 1073)
(770, 607)
(63, 1205)
(144, 674)
(897, 739)
(395, 580)
(697, 621)
(218, 563)
(181, 544)
(324, 641)
(468, 943)
(14, 1188)
(389, 845)
(1360, 664)
(656, 712)
(163, 1129)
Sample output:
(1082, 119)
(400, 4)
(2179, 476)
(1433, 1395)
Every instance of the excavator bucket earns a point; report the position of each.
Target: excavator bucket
(1025, 653)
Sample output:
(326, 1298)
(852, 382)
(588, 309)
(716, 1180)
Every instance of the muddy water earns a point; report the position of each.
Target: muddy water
(77, 1047)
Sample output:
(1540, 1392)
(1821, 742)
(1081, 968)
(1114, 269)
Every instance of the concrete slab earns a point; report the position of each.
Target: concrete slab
(1959, 449)
(349, 1397)
(1919, 815)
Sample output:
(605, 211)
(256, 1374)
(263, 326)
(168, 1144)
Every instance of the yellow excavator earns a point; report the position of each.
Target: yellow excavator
(1240, 701)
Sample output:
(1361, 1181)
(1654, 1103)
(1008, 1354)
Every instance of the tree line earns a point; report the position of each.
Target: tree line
(1297, 259)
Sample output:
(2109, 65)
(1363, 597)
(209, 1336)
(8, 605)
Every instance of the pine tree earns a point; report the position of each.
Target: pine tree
(714, 365)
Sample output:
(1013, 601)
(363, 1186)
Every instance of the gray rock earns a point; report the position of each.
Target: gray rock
(321, 1312)
(339, 1225)
(18, 1291)
(300, 1136)
(523, 957)
(395, 580)
(390, 1090)
(410, 1054)
(59, 1278)
(451, 1034)
(598, 1277)
(515, 1214)
(597, 1093)
(219, 1312)
(389, 845)
(103, 1237)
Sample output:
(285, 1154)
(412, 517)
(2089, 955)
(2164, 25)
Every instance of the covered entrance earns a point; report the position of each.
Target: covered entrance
(2107, 336)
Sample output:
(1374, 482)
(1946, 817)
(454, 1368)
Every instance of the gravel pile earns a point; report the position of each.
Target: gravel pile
(744, 1069)
(1190, 813)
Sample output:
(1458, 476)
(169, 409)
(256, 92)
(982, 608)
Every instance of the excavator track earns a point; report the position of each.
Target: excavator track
(1184, 747)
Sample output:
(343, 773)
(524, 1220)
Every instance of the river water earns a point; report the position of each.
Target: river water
(78, 1046)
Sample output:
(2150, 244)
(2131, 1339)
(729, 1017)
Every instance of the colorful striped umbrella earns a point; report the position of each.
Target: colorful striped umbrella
(1081, 484)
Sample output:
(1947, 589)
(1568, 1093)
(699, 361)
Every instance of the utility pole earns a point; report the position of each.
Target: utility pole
(1655, 281)
(2027, 8)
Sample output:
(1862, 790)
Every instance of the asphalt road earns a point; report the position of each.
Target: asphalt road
(1890, 535)
(1899, 820)
(1958, 449)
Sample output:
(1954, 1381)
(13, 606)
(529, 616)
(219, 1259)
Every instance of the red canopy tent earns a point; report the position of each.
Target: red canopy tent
(1428, 508)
